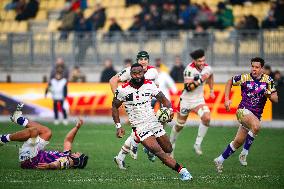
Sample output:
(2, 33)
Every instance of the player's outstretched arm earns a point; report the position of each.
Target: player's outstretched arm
(71, 135)
(114, 83)
(227, 95)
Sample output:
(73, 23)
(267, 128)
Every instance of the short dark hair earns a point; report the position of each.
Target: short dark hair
(142, 54)
(80, 162)
(136, 65)
(257, 59)
(197, 54)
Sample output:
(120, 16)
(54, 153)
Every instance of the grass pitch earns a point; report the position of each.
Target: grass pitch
(265, 162)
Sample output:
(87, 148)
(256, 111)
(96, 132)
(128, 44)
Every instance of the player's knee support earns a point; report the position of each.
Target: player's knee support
(180, 123)
(203, 110)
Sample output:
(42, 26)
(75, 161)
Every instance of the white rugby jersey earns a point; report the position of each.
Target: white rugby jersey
(137, 102)
(189, 73)
(166, 84)
(150, 74)
(57, 88)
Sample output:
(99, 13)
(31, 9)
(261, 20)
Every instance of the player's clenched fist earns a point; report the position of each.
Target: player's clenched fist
(120, 132)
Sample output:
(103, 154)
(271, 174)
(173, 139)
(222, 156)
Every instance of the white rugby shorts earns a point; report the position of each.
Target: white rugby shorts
(31, 147)
(186, 106)
(145, 130)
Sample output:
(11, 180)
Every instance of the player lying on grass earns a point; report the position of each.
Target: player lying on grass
(256, 87)
(32, 155)
(136, 96)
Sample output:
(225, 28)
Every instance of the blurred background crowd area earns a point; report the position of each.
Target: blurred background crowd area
(97, 36)
(135, 15)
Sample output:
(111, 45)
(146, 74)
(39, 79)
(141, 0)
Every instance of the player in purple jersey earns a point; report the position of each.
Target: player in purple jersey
(32, 155)
(256, 87)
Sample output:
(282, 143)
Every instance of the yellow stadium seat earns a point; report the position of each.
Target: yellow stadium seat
(130, 12)
(2, 14)
(91, 3)
(43, 4)
(4, 3)
(115, 12)
(14, 26)
(249, 47)
(88, 12)
(53, 25)
(106, 26)
(41, 36)
(221, 35)
(224, 48)
(237, 10)
(55, 4)
(51, 4)
(10, 15)
(106, 3)
(5, 26)
(60, 4)
(3, 36)
(22, 26)
(1, 26)
(125, 23)
(118, 3)
(41, 15)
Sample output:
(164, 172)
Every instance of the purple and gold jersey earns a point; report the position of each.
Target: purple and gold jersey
(43, 156)
(252, 91)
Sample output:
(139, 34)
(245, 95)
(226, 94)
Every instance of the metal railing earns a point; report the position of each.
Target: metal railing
(223, 48)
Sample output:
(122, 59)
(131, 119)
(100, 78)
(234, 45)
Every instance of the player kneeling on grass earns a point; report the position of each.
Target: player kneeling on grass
(35, 136)
(256, 87)
(136, 96)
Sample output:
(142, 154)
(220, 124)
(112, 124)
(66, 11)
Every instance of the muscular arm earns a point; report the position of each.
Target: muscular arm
(61, 163)
(210, 82)
(115, 116)
(227, 94)
(71, 135)
(52, 165)
(114, 83)
(228, 89)
(115, 112)
(161, 98)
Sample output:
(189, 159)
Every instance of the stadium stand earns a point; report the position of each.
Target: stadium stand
(38, 40)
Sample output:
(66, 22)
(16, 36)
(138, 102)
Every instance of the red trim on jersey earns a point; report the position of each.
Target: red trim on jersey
(178, 106)
(137, 140)
(192, 64)
(125, 84)
(150, 67)
(180, 167)
(148, 81)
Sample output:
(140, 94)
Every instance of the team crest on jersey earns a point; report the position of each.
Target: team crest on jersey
(129, 97)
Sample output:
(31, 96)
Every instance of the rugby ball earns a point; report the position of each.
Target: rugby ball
(164, 115)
